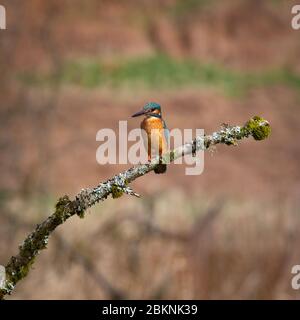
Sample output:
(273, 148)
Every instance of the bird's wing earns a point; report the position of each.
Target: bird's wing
(166, 132)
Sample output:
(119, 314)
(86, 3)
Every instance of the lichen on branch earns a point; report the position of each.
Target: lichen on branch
(19, 265)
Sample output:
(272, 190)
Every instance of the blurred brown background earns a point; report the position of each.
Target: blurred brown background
(70, 68)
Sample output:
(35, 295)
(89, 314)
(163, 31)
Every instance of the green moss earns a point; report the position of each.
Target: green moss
(18, 272)
(23, 270)
(172, 156)
(63, 208)
(258, 127)
(80, 214)
(116, 192)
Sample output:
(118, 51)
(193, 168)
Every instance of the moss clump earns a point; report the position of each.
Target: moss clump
(80, 214)
(63, 208)
(258, 127)
(23, 270)
(15, 272)
(116, 192)
(172, 156)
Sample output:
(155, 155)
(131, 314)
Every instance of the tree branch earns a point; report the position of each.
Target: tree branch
(19, 265)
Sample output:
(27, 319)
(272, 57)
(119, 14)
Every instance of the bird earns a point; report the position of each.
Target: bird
(153, 125)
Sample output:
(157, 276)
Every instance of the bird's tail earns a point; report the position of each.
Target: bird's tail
(160, 168)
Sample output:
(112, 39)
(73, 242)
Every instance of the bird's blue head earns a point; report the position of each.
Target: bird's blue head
(151, 108)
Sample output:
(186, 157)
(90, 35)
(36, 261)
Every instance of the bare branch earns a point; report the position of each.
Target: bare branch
(19, 265)
(86, 263)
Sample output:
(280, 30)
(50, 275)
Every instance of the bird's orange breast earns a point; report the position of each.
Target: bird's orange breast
(151, 123)
(154, 128)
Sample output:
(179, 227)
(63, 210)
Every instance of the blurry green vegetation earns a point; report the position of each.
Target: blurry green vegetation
(182, 7)
(160, 72)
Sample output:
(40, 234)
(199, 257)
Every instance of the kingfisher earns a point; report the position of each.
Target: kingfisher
(154, 126)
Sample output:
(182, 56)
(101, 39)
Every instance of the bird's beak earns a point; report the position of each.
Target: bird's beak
(140, 113)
